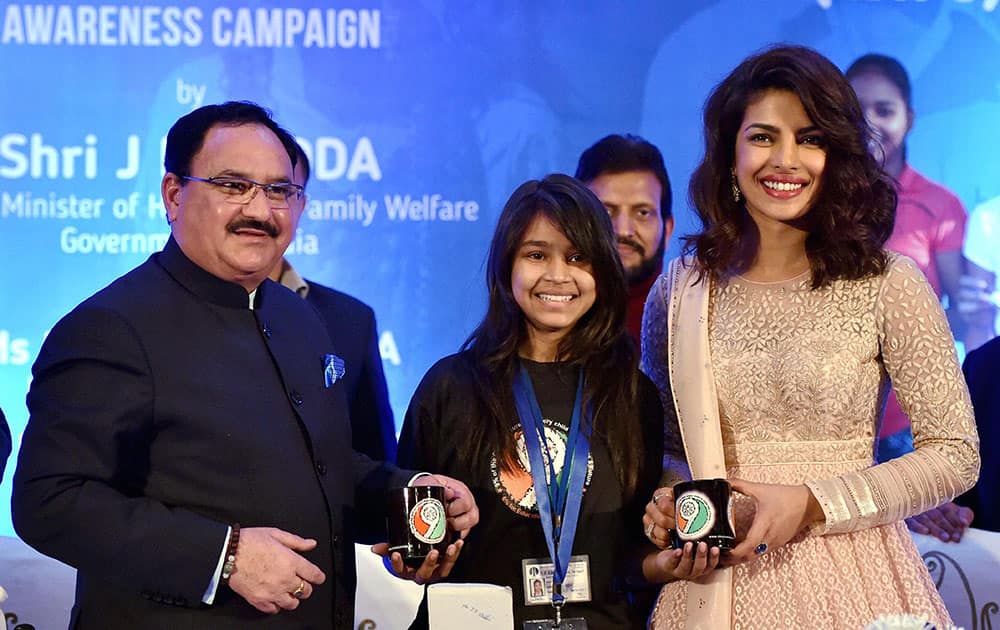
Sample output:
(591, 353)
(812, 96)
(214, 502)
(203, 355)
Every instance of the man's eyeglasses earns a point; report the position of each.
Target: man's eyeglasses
(242, 191)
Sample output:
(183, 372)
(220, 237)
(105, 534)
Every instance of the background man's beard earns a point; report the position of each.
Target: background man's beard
(647, 268)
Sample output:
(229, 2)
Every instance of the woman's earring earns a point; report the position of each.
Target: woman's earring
(735, 185)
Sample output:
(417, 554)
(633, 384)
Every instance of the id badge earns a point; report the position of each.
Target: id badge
(536, 574)
(573, 623)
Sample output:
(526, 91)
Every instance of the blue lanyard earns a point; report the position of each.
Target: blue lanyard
(558, 506)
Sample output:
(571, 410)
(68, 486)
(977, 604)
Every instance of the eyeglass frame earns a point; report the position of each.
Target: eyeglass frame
(294, 189)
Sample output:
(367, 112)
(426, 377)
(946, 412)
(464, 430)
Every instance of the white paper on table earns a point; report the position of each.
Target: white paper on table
(470, 606)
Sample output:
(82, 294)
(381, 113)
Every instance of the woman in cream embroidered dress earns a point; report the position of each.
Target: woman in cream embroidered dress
(779, 336)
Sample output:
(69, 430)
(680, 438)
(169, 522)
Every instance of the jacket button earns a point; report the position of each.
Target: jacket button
(295, 396)
(266, 330)
(336, 541)
(321, 468)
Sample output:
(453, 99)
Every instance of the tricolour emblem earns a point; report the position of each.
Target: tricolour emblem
(695, 515)
(428, 521)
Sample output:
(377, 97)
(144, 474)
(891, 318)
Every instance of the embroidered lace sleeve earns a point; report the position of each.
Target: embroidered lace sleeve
(919, 354)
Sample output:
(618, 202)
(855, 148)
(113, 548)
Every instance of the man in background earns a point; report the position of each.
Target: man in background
(351, 324)
(627, 174)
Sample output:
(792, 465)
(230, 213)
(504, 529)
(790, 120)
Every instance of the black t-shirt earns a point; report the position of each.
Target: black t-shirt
(509, 530)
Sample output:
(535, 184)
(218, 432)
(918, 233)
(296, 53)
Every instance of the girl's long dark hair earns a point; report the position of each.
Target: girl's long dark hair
(598, 343)
(854, 211)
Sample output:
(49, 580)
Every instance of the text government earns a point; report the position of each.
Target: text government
(73, 241)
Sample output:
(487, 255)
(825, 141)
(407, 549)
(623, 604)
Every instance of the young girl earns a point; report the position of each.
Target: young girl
(551, 360)
(777, 339)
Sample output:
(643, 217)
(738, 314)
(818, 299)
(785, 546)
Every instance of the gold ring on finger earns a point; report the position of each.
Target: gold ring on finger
(300, 591)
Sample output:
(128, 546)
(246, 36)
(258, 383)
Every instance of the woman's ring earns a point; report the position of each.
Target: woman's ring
(657, 497)
(761, 548)
(649, 531)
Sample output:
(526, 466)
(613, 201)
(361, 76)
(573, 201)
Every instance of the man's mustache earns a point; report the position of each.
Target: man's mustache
(249, 224)
(634, 244)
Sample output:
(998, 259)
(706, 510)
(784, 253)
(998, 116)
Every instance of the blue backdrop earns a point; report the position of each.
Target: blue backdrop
(421, 118)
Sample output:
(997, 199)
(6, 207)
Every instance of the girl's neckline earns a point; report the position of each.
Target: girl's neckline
(528, 361)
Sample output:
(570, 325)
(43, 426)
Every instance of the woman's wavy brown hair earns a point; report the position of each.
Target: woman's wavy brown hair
(853, 213)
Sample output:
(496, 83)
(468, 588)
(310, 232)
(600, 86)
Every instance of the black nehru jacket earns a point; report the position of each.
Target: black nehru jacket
(162, 409)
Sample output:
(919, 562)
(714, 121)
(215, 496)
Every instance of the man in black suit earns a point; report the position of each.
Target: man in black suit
(185, 448)
(5, 443)
(351, 324)
(982, 373)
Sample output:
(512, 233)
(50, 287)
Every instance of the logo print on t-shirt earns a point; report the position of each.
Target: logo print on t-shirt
(516, 488)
